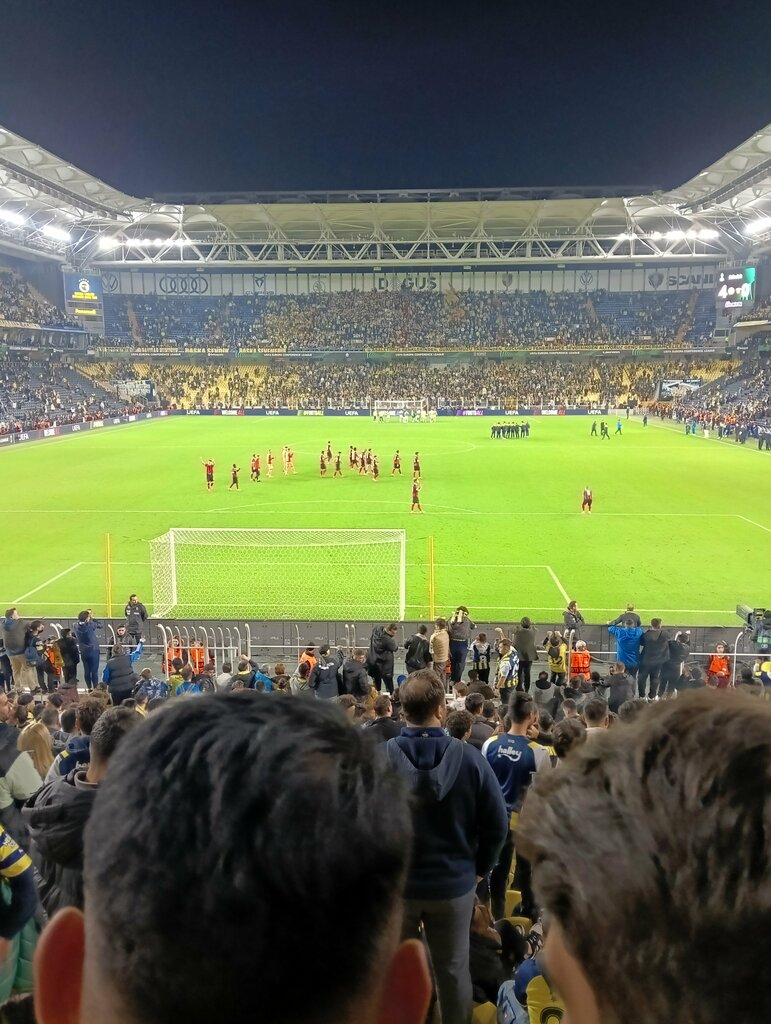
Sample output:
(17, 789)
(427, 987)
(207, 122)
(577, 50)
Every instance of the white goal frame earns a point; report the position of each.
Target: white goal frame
(393, 405)
(170, 598)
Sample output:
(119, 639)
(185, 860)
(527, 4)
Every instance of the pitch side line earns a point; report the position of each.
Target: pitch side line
(753, 523)
(53, 579)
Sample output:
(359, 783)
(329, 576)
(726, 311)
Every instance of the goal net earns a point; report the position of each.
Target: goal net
(279, 574)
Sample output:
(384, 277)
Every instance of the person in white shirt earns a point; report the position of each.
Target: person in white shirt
(224, 677)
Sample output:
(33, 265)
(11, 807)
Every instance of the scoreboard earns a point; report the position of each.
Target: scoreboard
(84, 299)
(735, 288)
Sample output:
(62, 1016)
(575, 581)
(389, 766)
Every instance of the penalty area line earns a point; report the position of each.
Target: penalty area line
(557, 583)
(753, 523)
(53, 579)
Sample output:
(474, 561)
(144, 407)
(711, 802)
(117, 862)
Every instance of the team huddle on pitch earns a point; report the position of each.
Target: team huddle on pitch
(363, 462)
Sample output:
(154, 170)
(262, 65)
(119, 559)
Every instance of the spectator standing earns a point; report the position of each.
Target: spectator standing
(523, 641)
(298, 682)
(88, 645)
(701, 820)
(416, 652)
(556, 657)
(136, 617)
(14, 634)
(507, 672)
(481, 652)
(515, 758)
(460, 635)
(119, 676)
(57, 815)
(152, 688)
(331, 780)
(620, 686)
(573, 619)
(325, 676)
(439, 648)
(354, 675)
(380, 660)
(460, 825)
(654, 651)
(677, 656)
(224, 677)
(68, 651)
(77, 752)
(580, 661)
(628, 639)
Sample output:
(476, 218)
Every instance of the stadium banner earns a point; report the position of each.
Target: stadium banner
(347, 412)
(63, 429)
(525, 411)
(451, 283)
(263, 411)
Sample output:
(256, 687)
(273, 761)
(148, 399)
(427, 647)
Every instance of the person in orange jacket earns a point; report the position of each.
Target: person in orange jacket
(718, 668)
(580, 660)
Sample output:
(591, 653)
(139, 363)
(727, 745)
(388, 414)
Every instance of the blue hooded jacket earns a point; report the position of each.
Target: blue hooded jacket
(85, 633)
(627, 644)
(459, 815)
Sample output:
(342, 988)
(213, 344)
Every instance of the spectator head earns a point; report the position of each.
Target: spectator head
(255, 874)
(84, 616)
(580, 645)
(391, 628)
(630, 624)
(630, 607)
(280, 669)
(176, 664)
(482, 638)
(570, 708)
(655, 623)
(618, 668)
(35, 738)
(304, 669)
(522, 709)
(568, 734)
(422, 630)
(146, 674)
(504, 645)
(572, 606)
(66, 633)
(323, 650)
(108, 731)
(687, 850)
(117, 650)
(36, 627)
(187, 673)
(310, 650)
(68, 720)
(473, 676)
(88, 713)
(227, 666)
(474, 703)
(128, 702)
(422, 698)
(630, 709)
(50, 718)
(525, 622)
(383, 706)
(459, 724)
(545, 720)
(11, 613)
(55, 700)
(489, 712)
(596, 713)
(440, 623)
(347, 702)
(132, 598)
(155, 703)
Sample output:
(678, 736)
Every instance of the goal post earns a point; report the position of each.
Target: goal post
(224, 573)
(400, 406)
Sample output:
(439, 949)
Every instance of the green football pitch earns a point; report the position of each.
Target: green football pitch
(681, 525)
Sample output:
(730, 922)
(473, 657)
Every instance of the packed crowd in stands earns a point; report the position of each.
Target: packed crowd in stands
(530, 786)
(299, 384)
(42, 393)
(18, 304)
(408, 320)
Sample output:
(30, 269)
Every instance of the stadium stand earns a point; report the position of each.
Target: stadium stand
(20, 304)
(409, 321)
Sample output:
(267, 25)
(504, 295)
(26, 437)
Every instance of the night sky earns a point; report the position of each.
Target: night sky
(166, 96)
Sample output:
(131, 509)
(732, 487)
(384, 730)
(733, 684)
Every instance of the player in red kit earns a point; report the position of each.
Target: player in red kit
(289, 461)
(338, 465)
(397, 464)
(586, 500)
(416, 467)
(322, 465)
(415, 496)
(351, 461)
(208, 465)
(255, 475)
(329, 451)
(375, 468)
(270, 463)
(234, 471)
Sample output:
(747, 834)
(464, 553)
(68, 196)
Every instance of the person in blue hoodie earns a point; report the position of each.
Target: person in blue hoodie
(460, 823)
(628, 645)
(88, 645)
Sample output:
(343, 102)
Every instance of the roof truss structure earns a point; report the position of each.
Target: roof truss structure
(50, 209)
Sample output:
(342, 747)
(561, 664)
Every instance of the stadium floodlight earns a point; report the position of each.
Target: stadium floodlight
(708, 233)
(108, 242)
(626, 236)
(755, 227)
(11, 217)
(676, 235)
(56, 233)
(655, 236)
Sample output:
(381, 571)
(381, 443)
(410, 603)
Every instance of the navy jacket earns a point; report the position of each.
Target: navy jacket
(85, 633)
(458, 811)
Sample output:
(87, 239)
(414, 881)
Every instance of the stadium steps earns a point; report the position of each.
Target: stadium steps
(136, 329)
(688, 317)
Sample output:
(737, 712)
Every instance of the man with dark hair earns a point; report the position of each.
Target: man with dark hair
(654, 652)
(240, 867)
(481, 731)
(596, 716)
(77, 752)
(14, 632)
(628, 638)
(620, 686)
(380, 660)
(686, 787)
(354, 676)
(416, 654)
(460, 825)
(325, 677)
(383, 727)
(136, 617)
(57, 815)
(515, 758)
(459, 725)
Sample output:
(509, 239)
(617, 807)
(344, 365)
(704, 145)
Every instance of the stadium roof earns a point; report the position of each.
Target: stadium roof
(51, 209)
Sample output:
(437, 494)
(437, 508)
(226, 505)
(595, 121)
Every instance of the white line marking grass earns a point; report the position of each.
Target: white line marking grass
(53, 579)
